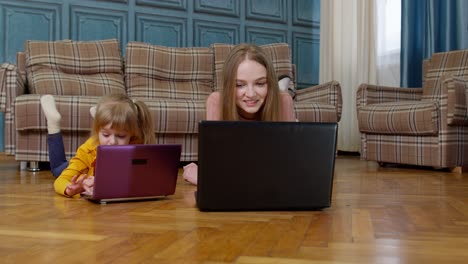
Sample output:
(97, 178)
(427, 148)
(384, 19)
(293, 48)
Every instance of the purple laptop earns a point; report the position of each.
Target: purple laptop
(135, 172)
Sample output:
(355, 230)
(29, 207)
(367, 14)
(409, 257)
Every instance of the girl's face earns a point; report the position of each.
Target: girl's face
(251, 88)
(109, 136)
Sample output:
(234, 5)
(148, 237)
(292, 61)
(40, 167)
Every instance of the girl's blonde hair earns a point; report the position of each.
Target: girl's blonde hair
(270, 111)
(124, 114)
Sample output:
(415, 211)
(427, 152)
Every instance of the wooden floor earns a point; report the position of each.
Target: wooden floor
(379, 215)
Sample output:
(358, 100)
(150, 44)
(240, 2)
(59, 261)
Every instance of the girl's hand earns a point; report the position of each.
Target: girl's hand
(76, 185)
(88, 185)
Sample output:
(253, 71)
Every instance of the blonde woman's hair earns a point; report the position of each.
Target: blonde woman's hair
(270, 111)
(125, 114)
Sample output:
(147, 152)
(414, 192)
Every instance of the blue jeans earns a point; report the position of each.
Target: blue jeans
(58, 160)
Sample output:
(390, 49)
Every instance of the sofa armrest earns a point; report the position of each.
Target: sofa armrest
(455, 89)
(3, 76)
(327, 93)
(10, 85)
(375, 94)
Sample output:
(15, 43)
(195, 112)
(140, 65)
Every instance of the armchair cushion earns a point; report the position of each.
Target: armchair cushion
(404, 118)
(74, 67)
(157, 72)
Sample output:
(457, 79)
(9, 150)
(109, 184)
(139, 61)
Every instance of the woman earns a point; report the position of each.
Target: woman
(250, 92)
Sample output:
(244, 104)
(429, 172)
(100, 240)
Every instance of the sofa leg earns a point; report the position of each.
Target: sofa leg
(23, 165)
(33, 166)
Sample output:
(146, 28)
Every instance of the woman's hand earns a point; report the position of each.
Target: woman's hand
(76, 185)
(88, 185)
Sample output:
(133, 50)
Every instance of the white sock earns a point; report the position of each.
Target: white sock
(51, 113)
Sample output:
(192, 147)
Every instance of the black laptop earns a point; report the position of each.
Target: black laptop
(265, 165)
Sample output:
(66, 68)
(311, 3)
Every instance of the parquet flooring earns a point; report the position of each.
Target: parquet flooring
(378, 215)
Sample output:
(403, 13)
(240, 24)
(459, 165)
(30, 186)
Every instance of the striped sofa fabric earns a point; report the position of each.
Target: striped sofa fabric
(425, 126)
(173, 82)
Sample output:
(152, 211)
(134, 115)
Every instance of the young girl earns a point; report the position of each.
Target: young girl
(117, 121)
(250, 92)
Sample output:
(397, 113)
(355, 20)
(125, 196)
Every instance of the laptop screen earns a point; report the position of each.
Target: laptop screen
(136, 171)
(265, 165)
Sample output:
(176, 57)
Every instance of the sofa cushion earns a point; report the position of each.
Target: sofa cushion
(73, 109)
(74, 67)
(157, 72)
(279, 54)
(402, 118)
(176, 116)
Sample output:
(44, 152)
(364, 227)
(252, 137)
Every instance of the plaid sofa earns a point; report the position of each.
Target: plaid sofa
(426, 127)
(173, 82)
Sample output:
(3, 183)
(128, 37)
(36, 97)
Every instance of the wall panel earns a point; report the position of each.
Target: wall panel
(267, 10)
(161, 30)
(208, 32)
(15, 26)
(305, 49)
(91, 23)
(261, 36)
(306, 13)
(218, 7)
(171, 4)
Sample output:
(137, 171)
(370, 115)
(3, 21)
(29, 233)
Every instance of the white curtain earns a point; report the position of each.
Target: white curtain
(388, 20)
(356, 46)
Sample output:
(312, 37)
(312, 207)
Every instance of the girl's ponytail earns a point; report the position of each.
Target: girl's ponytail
(146, 122)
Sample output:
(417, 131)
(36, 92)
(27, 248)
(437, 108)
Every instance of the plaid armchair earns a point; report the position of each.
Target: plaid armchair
(426, 127)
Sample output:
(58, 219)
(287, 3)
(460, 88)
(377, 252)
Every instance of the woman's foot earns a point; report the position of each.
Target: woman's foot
(190, 173)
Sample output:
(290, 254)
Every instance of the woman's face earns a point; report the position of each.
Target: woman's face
(110, 136)
(251, 88)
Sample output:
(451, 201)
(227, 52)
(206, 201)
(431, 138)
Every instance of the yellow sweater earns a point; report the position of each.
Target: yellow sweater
(82, 163)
